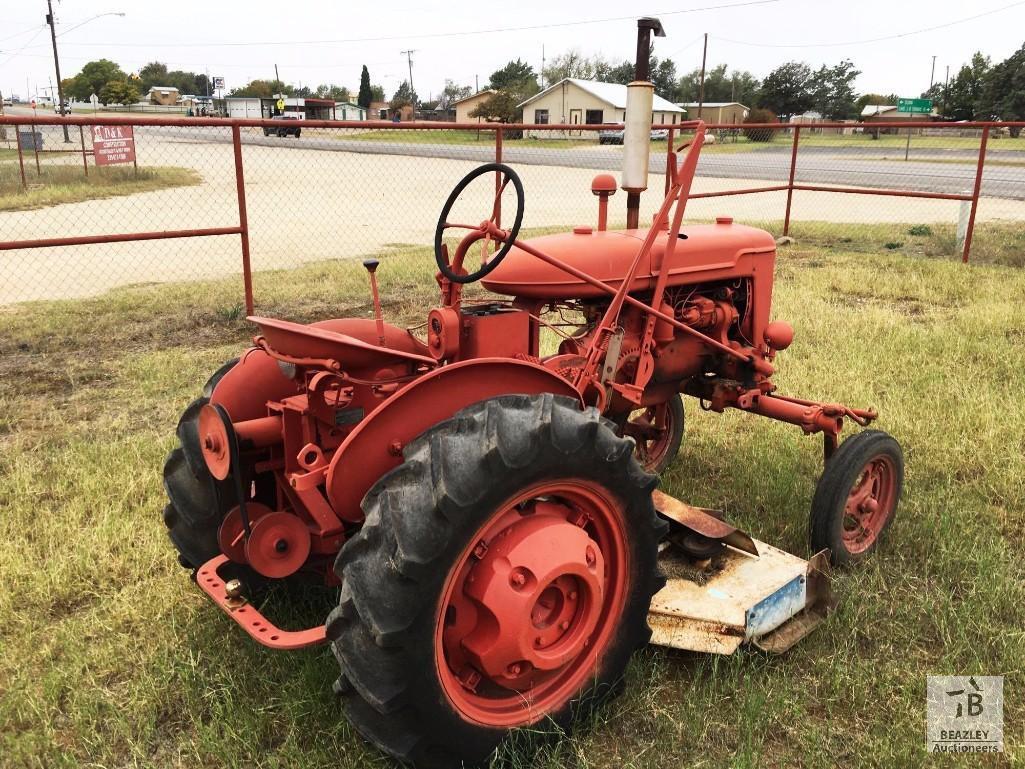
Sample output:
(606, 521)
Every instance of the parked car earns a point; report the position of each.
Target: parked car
(615, 135)
(283, 130)
(8, 102)
(67, 108)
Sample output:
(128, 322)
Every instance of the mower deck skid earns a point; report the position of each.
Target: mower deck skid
(746, 591)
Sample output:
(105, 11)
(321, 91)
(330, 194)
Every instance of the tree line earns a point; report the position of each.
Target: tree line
(979, 91)
(112, 85)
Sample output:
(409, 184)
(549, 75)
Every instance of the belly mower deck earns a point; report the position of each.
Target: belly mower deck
(723, 589)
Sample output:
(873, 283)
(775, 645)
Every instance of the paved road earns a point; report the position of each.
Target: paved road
(848, 167)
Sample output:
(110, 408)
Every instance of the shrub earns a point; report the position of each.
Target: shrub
(758, 115)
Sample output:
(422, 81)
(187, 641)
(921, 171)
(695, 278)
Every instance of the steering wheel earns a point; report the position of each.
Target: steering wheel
(486, 231)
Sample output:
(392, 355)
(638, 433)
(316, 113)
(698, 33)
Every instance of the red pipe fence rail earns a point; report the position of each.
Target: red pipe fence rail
(499, 131)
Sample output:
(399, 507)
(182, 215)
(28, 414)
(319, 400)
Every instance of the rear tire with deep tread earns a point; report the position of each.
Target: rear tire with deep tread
(421, 517)
(197, 502)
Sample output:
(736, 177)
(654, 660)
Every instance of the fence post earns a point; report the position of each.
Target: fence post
(790, 181)
(498, 178)
(85, 162)
(243, 219)
(35, 147)
(21, 156)
(670, 159)
(975, 195)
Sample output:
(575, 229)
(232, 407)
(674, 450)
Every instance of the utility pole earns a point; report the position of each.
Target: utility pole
(946, 82)
(56, 64)
(277, 79)
(409, 59)
(542, 66)
(932, 72)
(701, 85)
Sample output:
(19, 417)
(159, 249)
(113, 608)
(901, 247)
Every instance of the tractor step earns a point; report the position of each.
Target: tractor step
(236, 606)
(724, 588)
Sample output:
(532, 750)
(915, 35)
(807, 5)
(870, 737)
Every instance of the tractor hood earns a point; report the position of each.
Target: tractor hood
(607, 256)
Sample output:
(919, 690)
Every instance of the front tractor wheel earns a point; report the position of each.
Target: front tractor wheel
(658, 431)
(856, 497)
(501, 579)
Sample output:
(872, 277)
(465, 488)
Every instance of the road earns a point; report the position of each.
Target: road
(929, 170)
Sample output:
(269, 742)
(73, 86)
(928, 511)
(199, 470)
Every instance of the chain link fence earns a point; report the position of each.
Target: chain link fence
(318, 196)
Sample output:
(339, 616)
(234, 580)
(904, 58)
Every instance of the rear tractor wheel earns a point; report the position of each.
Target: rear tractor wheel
(501, 579)
(856, 497)
(197, 502)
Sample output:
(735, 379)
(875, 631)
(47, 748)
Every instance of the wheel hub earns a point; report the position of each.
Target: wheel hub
(538, 591)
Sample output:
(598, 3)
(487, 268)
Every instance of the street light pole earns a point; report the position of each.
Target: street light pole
(56, 65)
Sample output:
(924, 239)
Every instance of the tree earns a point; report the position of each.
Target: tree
(516, 78)
(832, 91)
(336, 92)
(571, 64)
(365, 96)
(759, 115)
(499, 107)
(962, 97)
(377, 93)
(1003, 91)
(787, 89)
(873, 98)
(154, 73)
(403, 96)
(263, 89)
(663, 77)
(93, 77)
(739, 86)
(452, 93)
(119, 92)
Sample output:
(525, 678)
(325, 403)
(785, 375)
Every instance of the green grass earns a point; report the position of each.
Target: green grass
(111, 657)
(67, 183)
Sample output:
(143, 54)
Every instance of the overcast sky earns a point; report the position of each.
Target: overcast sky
(327, 42)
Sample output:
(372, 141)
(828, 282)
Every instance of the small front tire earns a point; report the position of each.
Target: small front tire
(856, 497)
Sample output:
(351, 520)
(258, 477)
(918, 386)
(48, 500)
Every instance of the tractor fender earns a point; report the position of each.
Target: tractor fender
(375, 446)
(246, 387)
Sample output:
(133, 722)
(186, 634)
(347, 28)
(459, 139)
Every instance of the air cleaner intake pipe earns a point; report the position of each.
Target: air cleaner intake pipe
(640, 97)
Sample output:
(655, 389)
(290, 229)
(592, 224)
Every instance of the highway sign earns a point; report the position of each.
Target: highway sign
(218, 83)
(281, 105)
(915, 106)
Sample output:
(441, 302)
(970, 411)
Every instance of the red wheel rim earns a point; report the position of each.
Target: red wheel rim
(531, 604)
(870, 504)
(651, 428)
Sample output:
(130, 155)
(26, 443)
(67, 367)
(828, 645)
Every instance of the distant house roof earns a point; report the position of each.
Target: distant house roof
(612, 93)
(485, 92)
(162, 88)
(714, 104)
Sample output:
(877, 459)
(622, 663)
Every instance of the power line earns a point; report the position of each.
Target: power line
(13, 55)
(19, 34)
(866, 41)
(414, 35)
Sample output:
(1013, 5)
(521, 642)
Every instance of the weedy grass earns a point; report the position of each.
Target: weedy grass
(111, 657)
(67, 183)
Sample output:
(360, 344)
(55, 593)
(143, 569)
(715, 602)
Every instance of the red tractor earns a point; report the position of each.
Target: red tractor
(489, 511)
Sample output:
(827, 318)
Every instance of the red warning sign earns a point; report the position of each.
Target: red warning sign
(113, 144)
